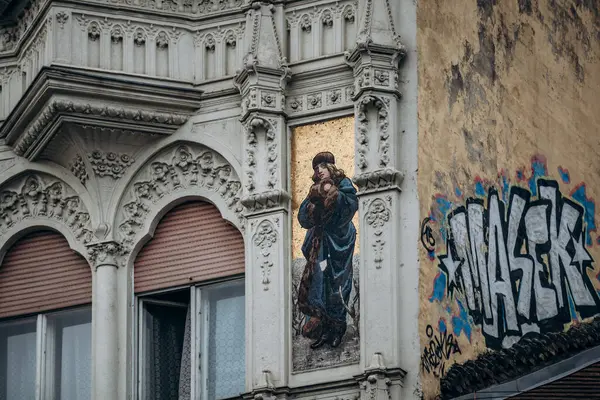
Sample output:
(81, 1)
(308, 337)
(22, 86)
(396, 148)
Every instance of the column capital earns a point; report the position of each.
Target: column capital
(109, 253)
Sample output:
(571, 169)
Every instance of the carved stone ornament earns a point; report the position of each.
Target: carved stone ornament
(42, 197)
(364, 125)
(260, 202)
(78, 169)
(264, 239)
(109, 164)
(106, 253)
(378, 215)
(378, 180)
(254, 127)
(379, 382)
(59, 106)
(61, 18)
(185, 167)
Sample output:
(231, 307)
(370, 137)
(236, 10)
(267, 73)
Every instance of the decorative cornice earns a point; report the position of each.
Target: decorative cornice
(61, 107)
(266, 201)
(96, 99)
(378, 180)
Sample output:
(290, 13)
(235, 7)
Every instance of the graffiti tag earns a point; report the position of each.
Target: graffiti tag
(438, 351)
(427, 238)
(520, 269)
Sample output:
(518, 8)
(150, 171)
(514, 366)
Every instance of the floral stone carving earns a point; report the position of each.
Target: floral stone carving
(110, 163)
(185, 167)
(36, 197)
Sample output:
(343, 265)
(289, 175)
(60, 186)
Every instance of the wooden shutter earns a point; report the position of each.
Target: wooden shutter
(191, 243)
(40, 273)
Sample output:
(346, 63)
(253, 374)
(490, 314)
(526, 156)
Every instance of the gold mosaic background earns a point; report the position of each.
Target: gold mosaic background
(336, 136)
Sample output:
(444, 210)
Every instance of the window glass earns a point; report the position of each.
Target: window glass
(72, 354)
(226, 342)
(17, 360)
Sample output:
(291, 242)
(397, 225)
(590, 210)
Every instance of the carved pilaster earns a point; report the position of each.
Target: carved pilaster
(375, 61)
(267, 279)
(262, 82)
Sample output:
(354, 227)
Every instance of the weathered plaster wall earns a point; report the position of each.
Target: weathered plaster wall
(507, 100)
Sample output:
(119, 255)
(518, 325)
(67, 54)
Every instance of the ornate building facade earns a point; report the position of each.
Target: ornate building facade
(155, 142)
(161, 162)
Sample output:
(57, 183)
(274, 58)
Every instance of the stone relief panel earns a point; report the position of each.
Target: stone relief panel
(39, 197)
(315, 31)
(181, 168)
(325, 323)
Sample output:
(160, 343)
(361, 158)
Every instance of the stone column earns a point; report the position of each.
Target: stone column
(104, 257)
(375, 61)
(262, 82)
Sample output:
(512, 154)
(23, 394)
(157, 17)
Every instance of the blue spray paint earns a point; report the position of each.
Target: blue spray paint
(439, 288)
(590, 211)
(538, 170)
(444, 207)
(572, 308)
(458, 192)
(442, 325)
(460, 322)
(479, 189)
(564, 175)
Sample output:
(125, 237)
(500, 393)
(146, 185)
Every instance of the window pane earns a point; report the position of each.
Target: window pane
(17, 361)
(73, 355)
(226, 342)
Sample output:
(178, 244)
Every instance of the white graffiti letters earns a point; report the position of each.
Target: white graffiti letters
(522, 270)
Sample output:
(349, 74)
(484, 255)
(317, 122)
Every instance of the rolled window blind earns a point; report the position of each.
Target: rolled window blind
(191, 243)
(40, 273)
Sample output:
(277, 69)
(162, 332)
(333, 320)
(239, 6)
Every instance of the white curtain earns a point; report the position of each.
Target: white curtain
(226, 343)
(75, 362)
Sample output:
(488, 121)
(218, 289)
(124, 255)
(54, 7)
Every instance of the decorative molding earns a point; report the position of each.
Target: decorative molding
(109, 164)
(79, 170)
(62, 18)
(318, 102)
(269, 127)
(379, 382)
(60, 106)
(264, 238)
(377, 217)
(382, 125)
(106, 254)
(184, 167)
(264, 201)
(378, 180)
(39, 196)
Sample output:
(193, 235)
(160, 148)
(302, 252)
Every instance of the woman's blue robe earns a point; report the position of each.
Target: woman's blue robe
(333, 269)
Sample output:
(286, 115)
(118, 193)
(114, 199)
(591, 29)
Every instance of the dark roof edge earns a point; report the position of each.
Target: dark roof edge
(538, 378)
(532, 353)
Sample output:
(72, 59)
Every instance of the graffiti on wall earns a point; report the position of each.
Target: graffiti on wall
(439, 349)
(515, 260)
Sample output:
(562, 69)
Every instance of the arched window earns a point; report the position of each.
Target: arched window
(190, 290)
(45, 320)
